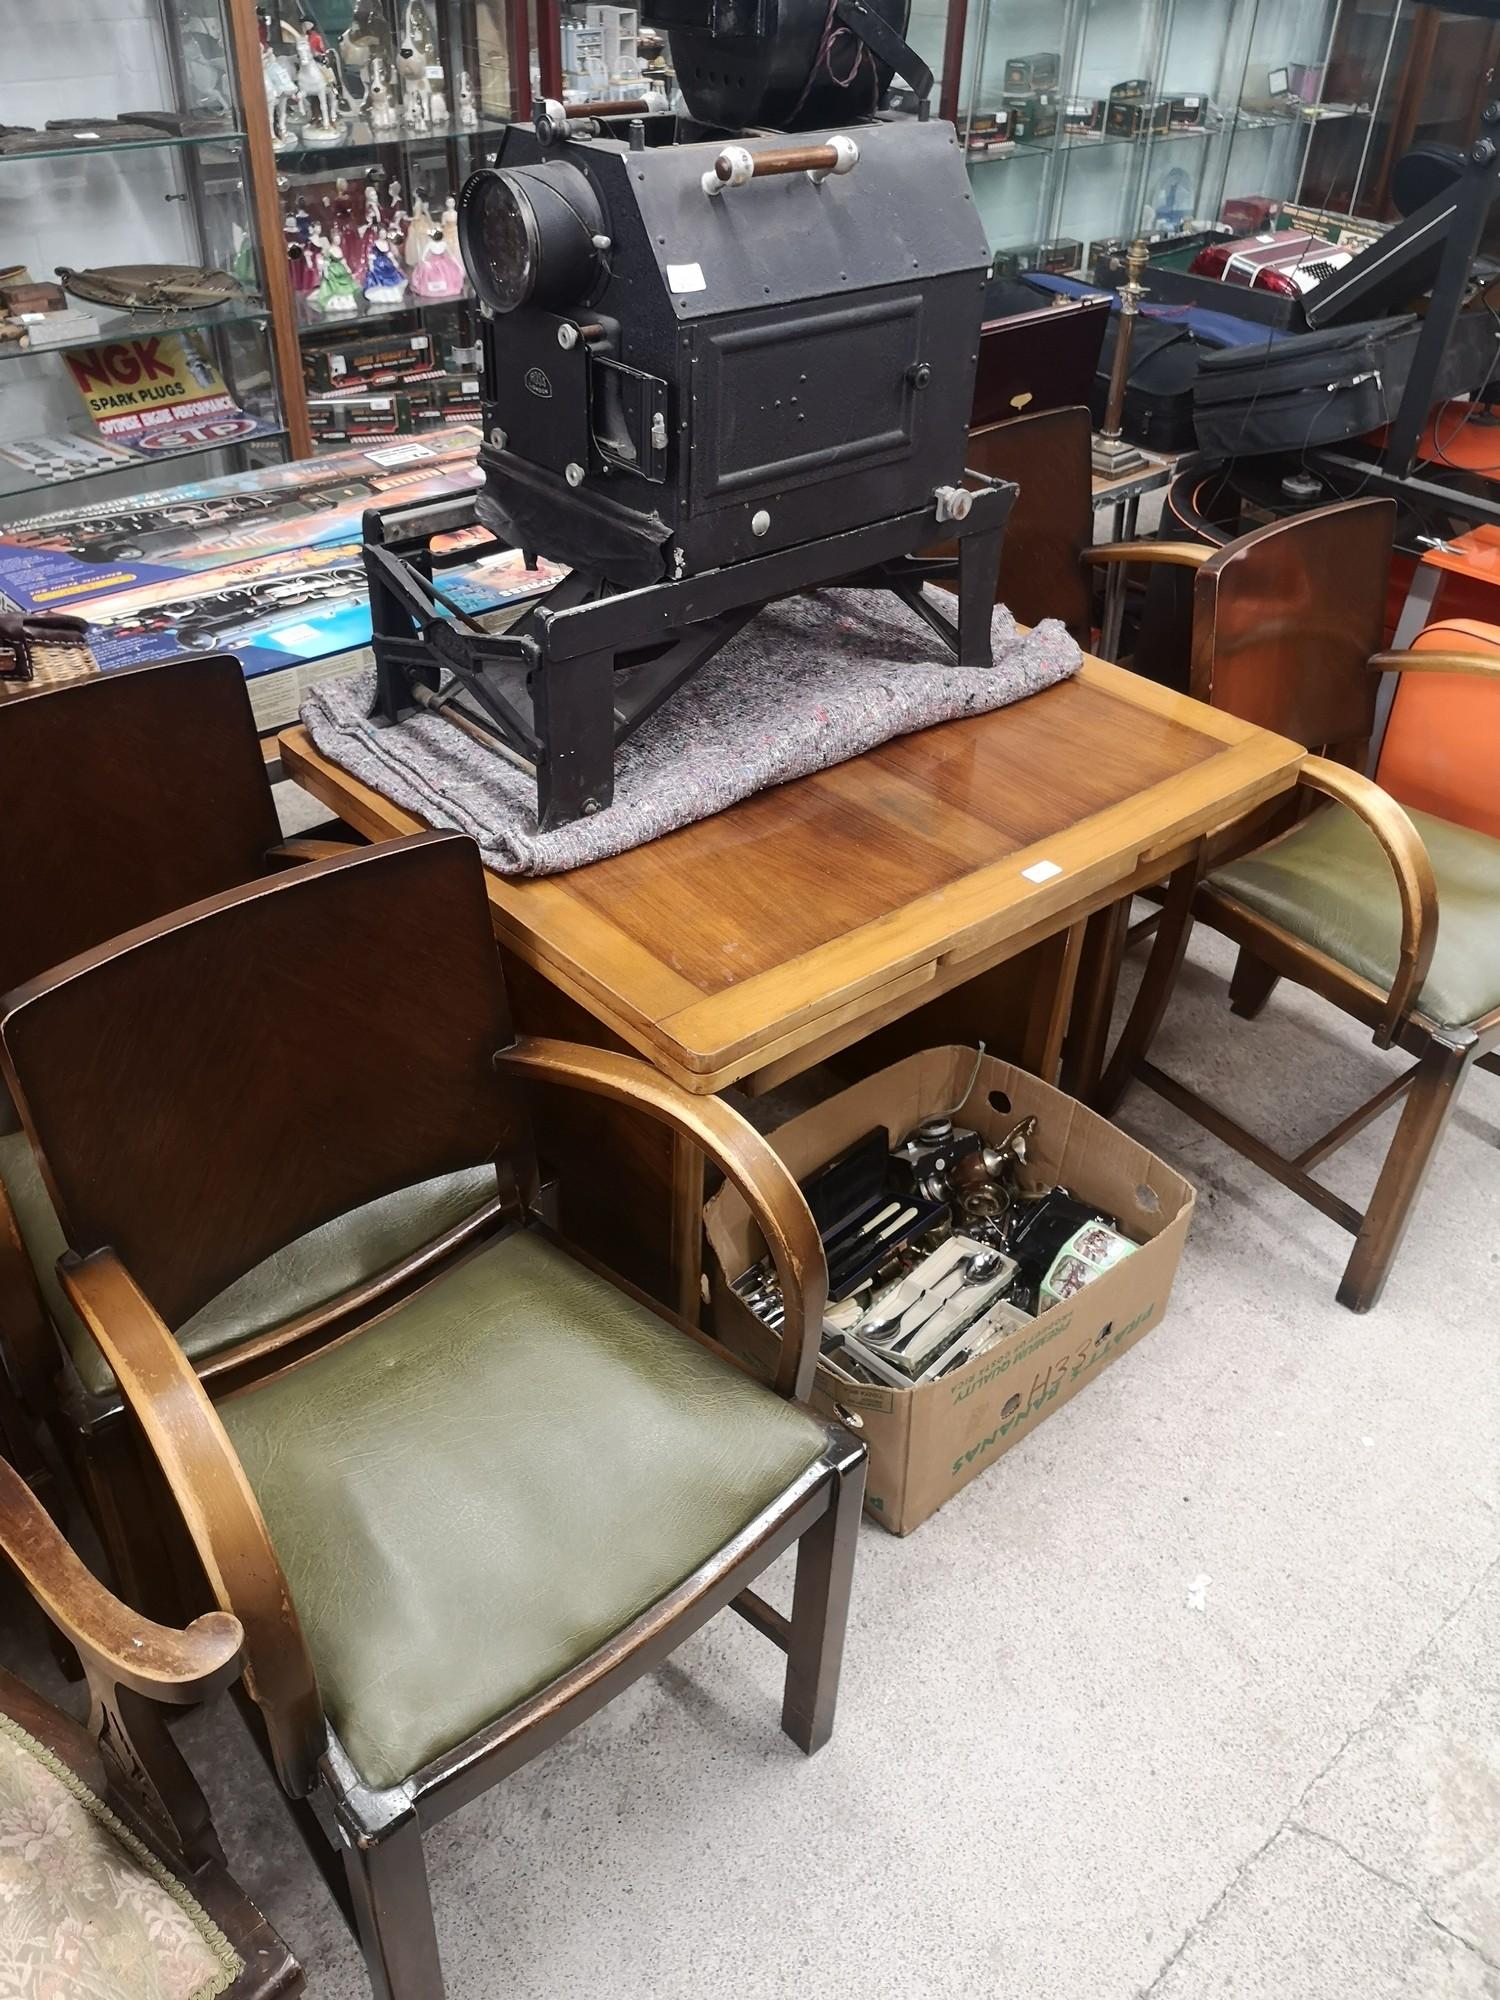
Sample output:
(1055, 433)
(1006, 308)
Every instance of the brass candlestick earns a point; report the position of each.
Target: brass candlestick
(1113, 457)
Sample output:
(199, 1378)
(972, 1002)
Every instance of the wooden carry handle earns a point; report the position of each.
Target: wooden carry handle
(790, 160)
(611, 107)
(736, 165)
(556, 121)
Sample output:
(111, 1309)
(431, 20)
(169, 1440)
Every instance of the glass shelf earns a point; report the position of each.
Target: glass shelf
(362, 138)
(170, 140)
(141, 325)
(312, 322)
(15, 481)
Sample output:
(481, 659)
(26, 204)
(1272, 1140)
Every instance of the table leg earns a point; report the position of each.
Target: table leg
(1094, 999)
(687, 1228)
(1051, 1002)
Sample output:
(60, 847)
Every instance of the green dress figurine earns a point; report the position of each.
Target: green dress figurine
(337, 291)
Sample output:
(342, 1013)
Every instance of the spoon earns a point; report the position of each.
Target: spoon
(976, 1267)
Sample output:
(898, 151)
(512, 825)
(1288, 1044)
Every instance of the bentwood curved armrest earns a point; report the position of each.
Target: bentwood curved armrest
(1178, 555)
(293, 853)
(150, 1659)
(1412, 868)
(1436, 662)
(190, 1444)
(734, 1145)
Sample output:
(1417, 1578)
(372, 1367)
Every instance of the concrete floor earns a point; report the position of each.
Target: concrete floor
(1194, 1693)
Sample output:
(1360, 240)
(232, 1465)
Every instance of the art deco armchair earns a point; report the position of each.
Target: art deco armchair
(126, 795)
(120, 1891)
(1049, 539)
(1386, 902)
(461, 1504)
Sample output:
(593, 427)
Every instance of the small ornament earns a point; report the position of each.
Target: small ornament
(450, 228)
(436, 273)
(468, 110)
(303, 262)
(243, 265)
(367, 41)
(380, 106)
(396, 217)
(384, 284)
(337, 292)
(323, 123)
(423, 83)
(418, 231)
(281, 94)
(352, 235)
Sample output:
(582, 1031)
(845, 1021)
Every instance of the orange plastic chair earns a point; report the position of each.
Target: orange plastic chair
(1441, 752)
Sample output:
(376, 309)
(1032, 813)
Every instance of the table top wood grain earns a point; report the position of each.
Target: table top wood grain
(734, 942)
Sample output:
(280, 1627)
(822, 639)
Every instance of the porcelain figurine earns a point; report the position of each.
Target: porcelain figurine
(281, 95)
(450, 229)
(419, 228)
(355, 239)
(384, 284)
(468, 110)
(318, 98)
(244, 265)
(337, 292)
(380, 105)
(303, 262)
(367, 41)
(436, 273)
(423, 84)
(397, 221)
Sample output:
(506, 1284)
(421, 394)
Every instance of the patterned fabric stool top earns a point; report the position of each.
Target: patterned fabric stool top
(86, 1913)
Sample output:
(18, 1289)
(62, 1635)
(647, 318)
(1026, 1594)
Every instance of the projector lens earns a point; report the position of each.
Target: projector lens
(527, 235)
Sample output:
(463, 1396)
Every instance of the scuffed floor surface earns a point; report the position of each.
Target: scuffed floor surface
(1067, 1767)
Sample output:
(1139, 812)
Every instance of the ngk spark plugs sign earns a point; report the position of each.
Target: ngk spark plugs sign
(159, 394)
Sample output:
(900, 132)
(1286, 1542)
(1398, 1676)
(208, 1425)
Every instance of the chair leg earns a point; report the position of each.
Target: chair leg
(820, 1614)
(1429, 1105)
(393, 1910)
(1160, 977)
(1251, 986)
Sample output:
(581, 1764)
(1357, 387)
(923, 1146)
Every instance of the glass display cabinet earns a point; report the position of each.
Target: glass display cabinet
(123, 142)
(379, 110)
(1087, 124)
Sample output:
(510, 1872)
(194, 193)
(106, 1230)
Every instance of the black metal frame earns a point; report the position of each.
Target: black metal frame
(582, 668)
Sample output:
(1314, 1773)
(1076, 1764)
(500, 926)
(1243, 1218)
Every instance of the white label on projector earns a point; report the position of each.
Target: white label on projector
(1041, 871)
(686, 278)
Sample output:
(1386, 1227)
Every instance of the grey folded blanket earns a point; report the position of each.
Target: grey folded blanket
(810, 681)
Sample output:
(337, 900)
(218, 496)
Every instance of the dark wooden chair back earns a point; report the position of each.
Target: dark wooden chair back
(1286, 618)
(125, 794)
(212, 1086)
(1052, 522)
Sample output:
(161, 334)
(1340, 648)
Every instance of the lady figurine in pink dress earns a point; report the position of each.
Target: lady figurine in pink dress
(436, 272)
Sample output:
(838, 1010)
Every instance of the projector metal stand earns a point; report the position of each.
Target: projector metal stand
(582, 668)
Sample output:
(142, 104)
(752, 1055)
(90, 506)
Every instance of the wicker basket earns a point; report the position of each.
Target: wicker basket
(41, 652)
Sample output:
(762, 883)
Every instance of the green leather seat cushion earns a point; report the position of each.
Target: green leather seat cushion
(1329, 883)
(486, 1485)
(316, 1267)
